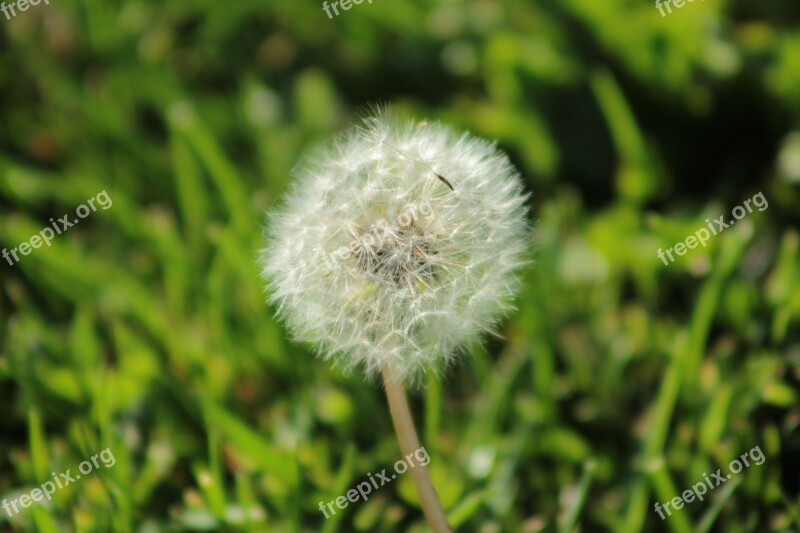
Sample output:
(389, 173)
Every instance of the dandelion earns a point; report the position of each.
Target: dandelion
(398, 246)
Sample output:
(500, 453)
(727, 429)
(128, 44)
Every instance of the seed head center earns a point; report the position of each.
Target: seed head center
(399, 255)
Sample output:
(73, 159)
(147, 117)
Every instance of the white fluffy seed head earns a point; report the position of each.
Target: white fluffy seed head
(375, 260)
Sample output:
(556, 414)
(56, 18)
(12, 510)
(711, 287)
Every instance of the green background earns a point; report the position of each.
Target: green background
(619, 381)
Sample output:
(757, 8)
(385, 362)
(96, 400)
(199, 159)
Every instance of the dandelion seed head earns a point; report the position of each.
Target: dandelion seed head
(377, 261)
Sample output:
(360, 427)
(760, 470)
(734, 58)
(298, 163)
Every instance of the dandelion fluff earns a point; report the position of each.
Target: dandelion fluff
(399, 244)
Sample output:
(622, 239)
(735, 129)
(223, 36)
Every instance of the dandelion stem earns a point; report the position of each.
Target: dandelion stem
(409, 443)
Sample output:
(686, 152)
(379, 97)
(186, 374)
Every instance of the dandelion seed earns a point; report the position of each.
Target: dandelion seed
(417, 295)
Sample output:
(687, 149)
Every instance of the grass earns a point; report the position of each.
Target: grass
(618, 383)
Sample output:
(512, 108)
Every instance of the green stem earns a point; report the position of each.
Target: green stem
(409, 444)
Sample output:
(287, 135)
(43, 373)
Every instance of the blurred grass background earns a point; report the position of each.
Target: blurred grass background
(618, 383)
